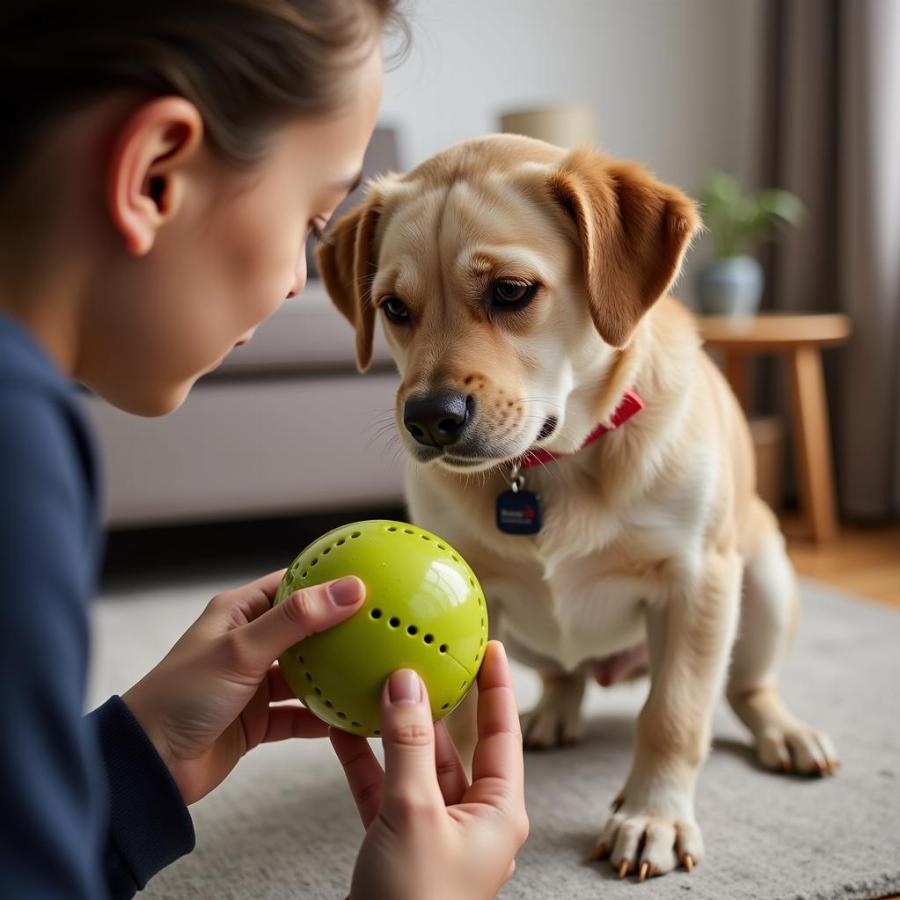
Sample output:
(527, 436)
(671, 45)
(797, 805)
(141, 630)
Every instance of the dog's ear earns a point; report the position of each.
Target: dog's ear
(347, 261)
(633, 230)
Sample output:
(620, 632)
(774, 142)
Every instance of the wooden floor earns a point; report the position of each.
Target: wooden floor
(863, 561)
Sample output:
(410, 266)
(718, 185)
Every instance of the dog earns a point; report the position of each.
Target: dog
(567, 433)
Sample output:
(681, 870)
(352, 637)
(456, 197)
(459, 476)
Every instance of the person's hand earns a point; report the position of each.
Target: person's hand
(217, 694)
(429, 833)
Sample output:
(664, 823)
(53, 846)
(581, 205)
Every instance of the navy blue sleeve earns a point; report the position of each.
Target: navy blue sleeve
(89, 810)
(150, 826)
(53, 796)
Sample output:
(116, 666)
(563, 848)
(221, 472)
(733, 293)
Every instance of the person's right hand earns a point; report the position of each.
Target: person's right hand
(429, 833)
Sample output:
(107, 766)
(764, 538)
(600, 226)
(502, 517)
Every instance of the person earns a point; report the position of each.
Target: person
(163, 164)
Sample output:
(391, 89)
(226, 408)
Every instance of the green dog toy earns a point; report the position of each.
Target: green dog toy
(424, 610)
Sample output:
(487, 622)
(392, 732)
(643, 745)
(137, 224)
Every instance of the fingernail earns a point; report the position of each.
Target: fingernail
(345, 591)
(405, 686)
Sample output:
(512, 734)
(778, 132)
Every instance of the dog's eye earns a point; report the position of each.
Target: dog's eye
(395, 309)
(509, 293)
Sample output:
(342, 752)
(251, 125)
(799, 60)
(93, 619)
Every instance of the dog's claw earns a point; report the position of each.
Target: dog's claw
(624, 866)
(598, 852)
(617, 802)
(645, 871)
(688, 862)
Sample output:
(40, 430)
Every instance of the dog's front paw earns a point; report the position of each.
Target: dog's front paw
(798, 749)
(648, 842)
(556, 720)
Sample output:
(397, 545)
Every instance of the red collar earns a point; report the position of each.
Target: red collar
(628, 406)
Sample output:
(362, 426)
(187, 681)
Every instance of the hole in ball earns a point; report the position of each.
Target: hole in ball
(326, 551)
(375, 614)
(300, 660)
(304, 573)
(442, 648)
(355, 534)
(319, 691)
(315, 562)
(308, 676)
(412, 630)
(392, 528)
(356, 724)
(342, 715)
(441, 547)
(376, 732)
(454, 557)
(425, 537)
(407, 531)
(341, 542)
(445, 706)
(429, 638)
(394, 622)
(329, 704)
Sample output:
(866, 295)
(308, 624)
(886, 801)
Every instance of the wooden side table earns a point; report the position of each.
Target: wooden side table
(799, 339)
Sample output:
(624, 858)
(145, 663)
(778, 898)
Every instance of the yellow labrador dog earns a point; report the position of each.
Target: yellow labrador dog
(523, 292)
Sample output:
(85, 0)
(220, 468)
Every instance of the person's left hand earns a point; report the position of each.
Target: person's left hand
(217, 694)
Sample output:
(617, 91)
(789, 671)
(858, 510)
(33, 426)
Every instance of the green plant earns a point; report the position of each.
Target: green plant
(738, 220)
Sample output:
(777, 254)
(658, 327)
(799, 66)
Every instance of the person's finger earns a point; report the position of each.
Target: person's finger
(410, 780)
(305, 612)
(364, 774)
(497, 766)
(451, 775)
(293, 722)
(248, 602)
(279, 689)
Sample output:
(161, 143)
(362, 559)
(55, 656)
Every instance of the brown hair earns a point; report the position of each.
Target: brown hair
(247, 65)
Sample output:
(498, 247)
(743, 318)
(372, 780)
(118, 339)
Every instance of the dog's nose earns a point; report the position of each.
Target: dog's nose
(438, 420)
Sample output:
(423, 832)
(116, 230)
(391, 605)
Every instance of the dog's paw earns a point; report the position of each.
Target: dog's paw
(551, 723)
(648, 845)
(798, 749)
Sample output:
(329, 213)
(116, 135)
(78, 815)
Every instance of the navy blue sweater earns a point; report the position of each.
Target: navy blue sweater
(89, 810)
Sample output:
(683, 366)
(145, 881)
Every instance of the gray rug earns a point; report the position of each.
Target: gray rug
(283, 826)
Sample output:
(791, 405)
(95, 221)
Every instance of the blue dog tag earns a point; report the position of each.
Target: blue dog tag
(519, 512)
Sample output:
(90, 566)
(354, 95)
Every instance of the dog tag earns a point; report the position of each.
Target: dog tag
(519, 512)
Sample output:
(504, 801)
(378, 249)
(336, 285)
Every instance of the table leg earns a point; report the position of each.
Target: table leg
(812, 442)
(736, 371)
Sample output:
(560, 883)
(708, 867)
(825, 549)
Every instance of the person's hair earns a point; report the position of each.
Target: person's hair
(247, 65)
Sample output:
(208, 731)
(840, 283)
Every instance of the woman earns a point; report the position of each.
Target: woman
(163, 164)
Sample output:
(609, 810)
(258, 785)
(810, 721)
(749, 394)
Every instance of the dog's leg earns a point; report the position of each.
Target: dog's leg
(653, 827)
(556, 720)
(768, 619)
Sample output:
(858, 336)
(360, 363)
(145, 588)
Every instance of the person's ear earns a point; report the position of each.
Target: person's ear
(147, 177)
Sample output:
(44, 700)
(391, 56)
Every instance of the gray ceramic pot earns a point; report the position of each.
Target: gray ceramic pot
(730, 287)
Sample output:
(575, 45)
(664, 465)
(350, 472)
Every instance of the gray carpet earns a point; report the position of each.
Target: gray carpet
(283, 825)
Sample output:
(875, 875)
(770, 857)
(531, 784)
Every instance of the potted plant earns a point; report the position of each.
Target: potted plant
(732, 283)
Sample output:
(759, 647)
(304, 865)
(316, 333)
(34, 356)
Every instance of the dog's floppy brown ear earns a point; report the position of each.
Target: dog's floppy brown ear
(633, 231)
(347, 261)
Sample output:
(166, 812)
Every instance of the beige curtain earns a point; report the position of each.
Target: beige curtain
(832, 121)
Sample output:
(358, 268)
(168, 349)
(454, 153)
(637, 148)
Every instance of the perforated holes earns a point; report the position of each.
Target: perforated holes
(454, 557)
(412, 630)
(300, 659)
(425, 537)
(342, 715)
(429, 638)
(341, 542)
(376, 613)
(309, 676)
(318, 692)
(392, 528)
(408, 531)
(356, 724)
(441, 547)
(442, 648)
(355, 535)
(304, 574)
(394, 622)
(377, 733)
(446, 706)
(315, 562)
(326, 551)
(329, 704)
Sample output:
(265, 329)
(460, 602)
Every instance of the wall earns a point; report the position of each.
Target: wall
(674, 83)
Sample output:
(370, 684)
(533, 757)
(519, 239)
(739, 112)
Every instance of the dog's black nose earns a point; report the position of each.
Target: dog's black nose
(438, 420)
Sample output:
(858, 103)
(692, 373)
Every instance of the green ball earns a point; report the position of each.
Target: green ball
(424, 610)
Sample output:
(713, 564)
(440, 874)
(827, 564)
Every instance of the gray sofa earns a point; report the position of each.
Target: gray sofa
(285, 426)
